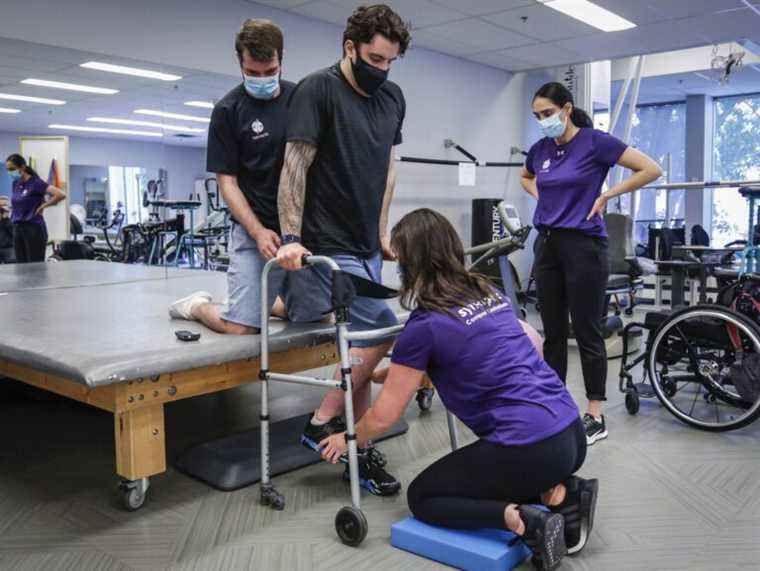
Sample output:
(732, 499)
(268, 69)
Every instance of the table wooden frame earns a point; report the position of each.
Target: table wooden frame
(138, 405)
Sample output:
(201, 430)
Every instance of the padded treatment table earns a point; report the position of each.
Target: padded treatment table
(100, 333)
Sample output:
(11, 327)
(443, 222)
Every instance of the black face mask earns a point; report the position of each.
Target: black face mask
(368, 77)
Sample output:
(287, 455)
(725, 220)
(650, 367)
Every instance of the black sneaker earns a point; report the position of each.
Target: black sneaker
(314, 434)
(373, 477)
(545, 535)
(595, 429)
(376, 456)
(578, 509)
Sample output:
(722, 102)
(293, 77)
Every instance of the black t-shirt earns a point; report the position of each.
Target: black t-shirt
(346, 182)
(246, 138)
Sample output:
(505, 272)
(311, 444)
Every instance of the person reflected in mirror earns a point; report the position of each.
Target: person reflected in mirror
(30, 197)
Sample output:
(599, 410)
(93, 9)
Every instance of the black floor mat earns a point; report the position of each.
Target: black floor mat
(233, 462)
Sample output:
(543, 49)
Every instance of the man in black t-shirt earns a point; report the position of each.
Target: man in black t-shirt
(335, 192)
(246, 143)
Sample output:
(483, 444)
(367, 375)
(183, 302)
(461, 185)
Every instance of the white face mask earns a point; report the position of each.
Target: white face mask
(553, 126)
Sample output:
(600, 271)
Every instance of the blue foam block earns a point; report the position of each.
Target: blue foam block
(481, 550)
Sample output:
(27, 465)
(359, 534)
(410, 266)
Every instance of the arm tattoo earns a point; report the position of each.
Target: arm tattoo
(292, 192)
(390, 187)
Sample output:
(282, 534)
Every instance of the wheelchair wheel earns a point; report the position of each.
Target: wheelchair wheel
(690, 366)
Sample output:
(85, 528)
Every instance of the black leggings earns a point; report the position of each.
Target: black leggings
(29, 242)
(571, 270)
(471, 488)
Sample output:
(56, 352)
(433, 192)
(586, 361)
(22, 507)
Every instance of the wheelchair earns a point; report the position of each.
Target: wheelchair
(702, 362)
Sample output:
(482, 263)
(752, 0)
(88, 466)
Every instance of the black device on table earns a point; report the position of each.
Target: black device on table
(184, 335)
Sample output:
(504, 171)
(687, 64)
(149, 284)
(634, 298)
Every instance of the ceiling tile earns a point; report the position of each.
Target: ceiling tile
(500, 59)
(481, 35)
(544, 55)
(541, 23)
(664, 36)
(479, 7)
(673, 9)
(726, 26)
(637, 11)
(421, 13)
(284, 4)
(325, 11)
(441, 43)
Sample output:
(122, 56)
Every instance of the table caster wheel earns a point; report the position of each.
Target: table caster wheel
(425, 399)
(632, 401)
(133, 493)
(272, 498)
(351, 525)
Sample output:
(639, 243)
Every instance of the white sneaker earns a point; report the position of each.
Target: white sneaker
(183, 308)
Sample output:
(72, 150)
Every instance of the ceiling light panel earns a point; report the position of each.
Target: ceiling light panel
(178, 116)
(28, 99)
(201, 104)
(137, 123)
(591, 14)
(70, 86)
(63, 127)
(133, 71)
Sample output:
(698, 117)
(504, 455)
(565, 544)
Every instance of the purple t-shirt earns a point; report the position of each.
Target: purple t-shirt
(26, 199)
(487, 371)
(569, 178)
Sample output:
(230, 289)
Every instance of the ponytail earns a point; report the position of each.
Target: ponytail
(561, 96)
(20, 163)
(580, 118)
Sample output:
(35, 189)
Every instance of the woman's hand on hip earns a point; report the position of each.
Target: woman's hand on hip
(599, 206)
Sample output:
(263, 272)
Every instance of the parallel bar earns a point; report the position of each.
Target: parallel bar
(425, 161)
(304, 380)
(702, 184)
(373, 333)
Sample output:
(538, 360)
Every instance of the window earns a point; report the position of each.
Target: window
(659, 131)
(124, 191)
(736, 144)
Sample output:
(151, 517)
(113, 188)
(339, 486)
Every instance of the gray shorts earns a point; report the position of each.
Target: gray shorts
(244, 280)
(308, 293)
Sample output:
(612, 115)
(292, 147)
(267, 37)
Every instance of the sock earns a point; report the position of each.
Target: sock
(317, 422)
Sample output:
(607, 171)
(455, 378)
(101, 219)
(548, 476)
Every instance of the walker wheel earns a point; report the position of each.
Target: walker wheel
(425, 399)
(632, 401)
(351, 525)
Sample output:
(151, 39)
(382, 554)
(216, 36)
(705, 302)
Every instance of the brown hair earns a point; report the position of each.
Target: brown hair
(262, 38)
(366, 21)
(431, 257)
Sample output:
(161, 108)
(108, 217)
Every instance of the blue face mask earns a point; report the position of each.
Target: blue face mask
(553, 126)
(261, 87)
(15, 175)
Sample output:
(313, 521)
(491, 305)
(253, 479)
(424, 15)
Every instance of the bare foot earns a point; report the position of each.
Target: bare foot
(555, 496)
(513, 520)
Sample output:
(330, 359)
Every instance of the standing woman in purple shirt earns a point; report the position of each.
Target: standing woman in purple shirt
(565, 172)
(28, 200)
(464, 334)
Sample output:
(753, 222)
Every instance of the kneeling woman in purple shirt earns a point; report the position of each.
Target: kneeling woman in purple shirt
(466, 337)
(565, 172)
(28, 200)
